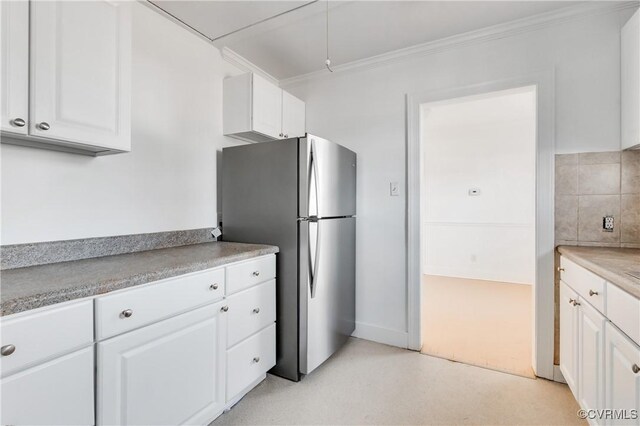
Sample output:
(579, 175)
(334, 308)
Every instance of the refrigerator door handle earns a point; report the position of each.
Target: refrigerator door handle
(314, 253)
(313, 180)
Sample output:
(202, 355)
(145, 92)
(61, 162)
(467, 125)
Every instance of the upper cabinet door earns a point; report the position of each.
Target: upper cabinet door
(267, 107)
(14, 75)
(293, 116)
(630, 82)
(81, 72)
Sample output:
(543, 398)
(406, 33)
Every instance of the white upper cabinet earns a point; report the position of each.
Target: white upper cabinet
(67, 65)
(14, 75)
(630, 83)
(293, 116)
(256, 110)
(81, 72)
(266, 109)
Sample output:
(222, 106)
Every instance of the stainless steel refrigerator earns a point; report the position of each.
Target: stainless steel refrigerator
(299, 194)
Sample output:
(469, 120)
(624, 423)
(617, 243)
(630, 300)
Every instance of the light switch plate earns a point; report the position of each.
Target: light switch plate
(394, 189)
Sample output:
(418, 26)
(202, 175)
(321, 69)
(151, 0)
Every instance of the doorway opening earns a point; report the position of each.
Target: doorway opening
(478, 228)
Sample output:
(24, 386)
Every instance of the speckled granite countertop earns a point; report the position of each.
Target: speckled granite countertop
(33, 287)
(612, 264)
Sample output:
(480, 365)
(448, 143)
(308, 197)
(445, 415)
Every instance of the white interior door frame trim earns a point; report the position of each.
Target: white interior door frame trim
(543, 332)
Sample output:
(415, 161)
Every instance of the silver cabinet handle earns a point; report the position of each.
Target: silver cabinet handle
(126, 313)
(44, 126)
(281, 135)
(576, 303)
(634, 368)
(18, 122)
(256, 311)
(256, 359)
(7, 350)
(256, 273)
(593, 293)
(213, 286)
(286, 136)
(224, 308)
(571, 302)
(560, 269)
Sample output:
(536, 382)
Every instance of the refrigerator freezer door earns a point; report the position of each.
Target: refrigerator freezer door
(327, 288)
(327, 179)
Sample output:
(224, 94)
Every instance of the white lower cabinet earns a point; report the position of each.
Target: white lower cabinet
(568, 335)
(590, 353)
(58, 392)
(160, 356)
(171, 372)
(622, 375)
(249, 360)
(600, 363)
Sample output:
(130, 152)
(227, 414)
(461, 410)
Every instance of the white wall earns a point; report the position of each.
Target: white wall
(167, 182)
(486, 143)
(365, 111)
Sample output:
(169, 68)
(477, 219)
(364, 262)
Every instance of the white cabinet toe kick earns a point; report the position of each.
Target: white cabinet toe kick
(176, 351)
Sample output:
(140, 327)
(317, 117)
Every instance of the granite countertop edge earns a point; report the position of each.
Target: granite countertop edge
(101, 287)
(616, 277)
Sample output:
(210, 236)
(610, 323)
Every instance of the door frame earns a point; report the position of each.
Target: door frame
(543, 324)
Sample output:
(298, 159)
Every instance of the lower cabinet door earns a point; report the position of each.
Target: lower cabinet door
(622, 375)
(568, 335)
(171, 372)
(58, 392)
(591, 326)
(249, 360)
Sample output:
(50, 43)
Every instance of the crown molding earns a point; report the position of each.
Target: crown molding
(507, 29)
(245, 65)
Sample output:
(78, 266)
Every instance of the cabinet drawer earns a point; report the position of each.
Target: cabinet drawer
(59, 392)
(249, 360)
(251, 310)
(156, 301)
(247, 274)
(624, 311)
(45, 333)
(588, 285)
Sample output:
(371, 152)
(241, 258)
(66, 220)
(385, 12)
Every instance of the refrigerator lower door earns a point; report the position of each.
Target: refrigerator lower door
(327, 288)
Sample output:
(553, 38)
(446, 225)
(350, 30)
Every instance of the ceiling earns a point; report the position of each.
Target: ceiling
(294, 43)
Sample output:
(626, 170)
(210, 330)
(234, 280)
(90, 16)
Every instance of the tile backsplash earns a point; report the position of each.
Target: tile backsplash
(592, 185)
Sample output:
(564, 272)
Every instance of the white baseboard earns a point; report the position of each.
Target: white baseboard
(381, 335)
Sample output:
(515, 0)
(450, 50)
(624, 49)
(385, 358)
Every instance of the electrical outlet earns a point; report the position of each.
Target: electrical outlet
(607, 224)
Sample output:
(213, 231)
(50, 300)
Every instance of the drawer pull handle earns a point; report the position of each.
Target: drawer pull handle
(256, 359)
(635, 368)
(224, 308)
(256, 273)
(256, 311)
(126, 313)
(593, 293)
(560, 269)
(7, 350)
(213, 286)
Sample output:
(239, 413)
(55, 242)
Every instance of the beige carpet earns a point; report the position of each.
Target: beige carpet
(369, 383)
(483, 323)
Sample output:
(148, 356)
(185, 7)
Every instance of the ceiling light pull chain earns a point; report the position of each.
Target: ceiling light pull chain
(327, 63)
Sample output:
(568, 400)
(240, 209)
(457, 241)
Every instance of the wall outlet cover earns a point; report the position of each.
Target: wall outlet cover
(607, 223)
